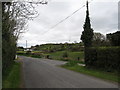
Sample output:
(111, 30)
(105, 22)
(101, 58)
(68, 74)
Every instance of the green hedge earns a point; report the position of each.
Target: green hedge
(106, 58)
(8, 54)
(29, 53)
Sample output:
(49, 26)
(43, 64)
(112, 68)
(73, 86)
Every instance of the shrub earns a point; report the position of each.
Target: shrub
(28, 52)
(65, 55)
(36, 55)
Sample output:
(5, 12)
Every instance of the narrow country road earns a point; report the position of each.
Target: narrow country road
(44, 73)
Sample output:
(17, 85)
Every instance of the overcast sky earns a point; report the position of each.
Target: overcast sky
(103, 16)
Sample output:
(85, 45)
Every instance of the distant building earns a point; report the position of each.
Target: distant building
(28, 49)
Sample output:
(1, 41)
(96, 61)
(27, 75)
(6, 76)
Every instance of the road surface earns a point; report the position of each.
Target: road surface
(44, 73)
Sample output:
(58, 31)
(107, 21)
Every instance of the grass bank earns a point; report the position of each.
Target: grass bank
(110, 76)
(13, 77)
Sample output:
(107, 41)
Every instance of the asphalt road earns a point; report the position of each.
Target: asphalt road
(44, 73)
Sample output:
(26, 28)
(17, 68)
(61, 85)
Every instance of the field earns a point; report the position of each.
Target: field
(71, 55)
(58, 55)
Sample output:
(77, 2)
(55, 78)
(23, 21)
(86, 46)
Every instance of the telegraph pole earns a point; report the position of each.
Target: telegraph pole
(26, 44)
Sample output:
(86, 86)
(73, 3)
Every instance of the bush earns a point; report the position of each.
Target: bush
(65, 55)
(106, 58)
(28, 52)
(21, 53)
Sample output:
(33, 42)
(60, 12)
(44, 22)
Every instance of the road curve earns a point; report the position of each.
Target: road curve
(44, 73)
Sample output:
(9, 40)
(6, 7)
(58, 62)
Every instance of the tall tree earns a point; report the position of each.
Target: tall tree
(87, 34)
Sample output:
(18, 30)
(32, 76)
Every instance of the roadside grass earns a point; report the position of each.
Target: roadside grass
(110, 76)
(13, 77)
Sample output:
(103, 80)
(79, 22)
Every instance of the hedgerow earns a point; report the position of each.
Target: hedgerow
(106, 58)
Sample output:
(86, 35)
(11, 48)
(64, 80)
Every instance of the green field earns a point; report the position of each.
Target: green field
(58, 55)
(71, 55)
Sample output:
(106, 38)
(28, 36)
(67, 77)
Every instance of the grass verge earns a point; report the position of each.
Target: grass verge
(110, 76)
(13, 78)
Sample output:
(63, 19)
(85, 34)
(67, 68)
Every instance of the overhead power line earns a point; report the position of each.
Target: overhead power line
(65, 19)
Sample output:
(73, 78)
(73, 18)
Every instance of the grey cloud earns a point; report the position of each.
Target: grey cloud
(103, 19)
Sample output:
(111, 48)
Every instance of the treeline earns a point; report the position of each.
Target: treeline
(104, 52)
(114, 38)
(105, 57)
(98, 40)
(59, 47)
(111, 39)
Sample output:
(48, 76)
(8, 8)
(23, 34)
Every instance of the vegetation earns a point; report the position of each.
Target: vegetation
(65, 55)
(106, 58)
(58, 47)
(8, 38)
(71, 56)
(14, 18)
(13, 77)
(20, 48)
(99, 40)
(66, 51)
(59, 55)
(101, 58)
(30, 54)
(87, 34)
(114, 38)
(110, 76)
(96, 57)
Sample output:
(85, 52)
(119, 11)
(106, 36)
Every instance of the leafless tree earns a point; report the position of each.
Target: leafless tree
(14, 18)
(18, 13)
